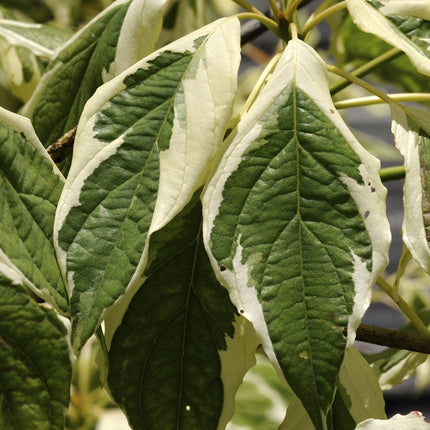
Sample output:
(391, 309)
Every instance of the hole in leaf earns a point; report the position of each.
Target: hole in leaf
(222, 268)
(304, 355)
(188, 408)
(242, 311)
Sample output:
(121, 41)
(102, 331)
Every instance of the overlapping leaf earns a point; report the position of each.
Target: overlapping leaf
(354, 47)
(119, 36)
(35, 368)
(177, 335)
(30, 186)
(358, 397)
(411, 129)
(143, 147)
(403, 24)
(25, 48)
(296, 228)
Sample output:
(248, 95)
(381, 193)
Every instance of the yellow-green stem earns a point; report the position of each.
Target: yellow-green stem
(314, 20)
(291, 8)
(366, 68)
(392, 173)
(373, 100)
(404, 307)
(355, 80)
(269, 23)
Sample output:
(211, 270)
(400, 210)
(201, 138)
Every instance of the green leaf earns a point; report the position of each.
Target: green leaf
(112, 41)
(38, 11)
(30, 186)
(295, 223)
(175, 335)
(35, 368)
(143, 147)
(411, 130)
(387, 20)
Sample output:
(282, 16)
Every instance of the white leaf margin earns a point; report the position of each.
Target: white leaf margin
(139, 34)
(187, 155)
(406, 137)
(14, 38)
(23, 125)
(416, 8)
(301, 64)
(370, 20)
(414, 420)
(361, 385)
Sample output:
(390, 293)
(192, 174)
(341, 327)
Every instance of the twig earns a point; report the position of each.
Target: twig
(63, 147)
(392, 338)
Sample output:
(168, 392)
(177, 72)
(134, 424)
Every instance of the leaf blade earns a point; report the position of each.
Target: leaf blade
(35, 363)
(104, 220)
(277, 213)
(406, 32)
(30, 186)
(182, 381)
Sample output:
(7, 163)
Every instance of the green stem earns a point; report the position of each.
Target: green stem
(314, 20)
(365, 69)
(274, 7)
(404, 307)
(247, 6)
(373, 100)
(355, 80)
(392, 173)
(291, 8)
(269, 23)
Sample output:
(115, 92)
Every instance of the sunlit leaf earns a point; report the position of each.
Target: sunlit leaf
(30, 186)
(414, 420)
(295, 224)
(352, 47)
(144, 146)
(407, 32)
(35, 368)
(411, 129)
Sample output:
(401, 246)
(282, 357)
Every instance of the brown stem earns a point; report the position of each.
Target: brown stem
(63, 147)
(393, 338)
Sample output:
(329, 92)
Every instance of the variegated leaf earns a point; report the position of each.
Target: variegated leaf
(41, 40)
(294, 220)
(114, 40)
(411, 129)
(144, 145)
(30, 186)
(24, 50)
(403, 24)
(414, 420)
(182, 336)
